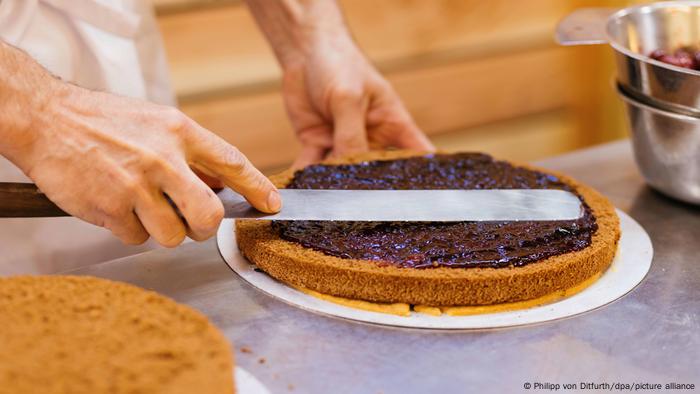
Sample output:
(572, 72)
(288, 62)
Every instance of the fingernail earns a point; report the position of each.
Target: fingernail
(274, 202)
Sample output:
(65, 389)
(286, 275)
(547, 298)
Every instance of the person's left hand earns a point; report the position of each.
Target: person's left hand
(339, 104)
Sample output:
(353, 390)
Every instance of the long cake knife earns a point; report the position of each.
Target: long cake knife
(25, 200)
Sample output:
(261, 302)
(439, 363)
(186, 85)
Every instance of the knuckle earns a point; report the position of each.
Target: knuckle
(176, 120)
(173, 237)
(115, 209)
(136, 238)
(131, 186)
(197, 237)
(346, 94)
(384, 85)
(126, 230)
(161, 163)
(150, 159)
(208, 219)
(234, 160)
(262, 183)
(255, 182)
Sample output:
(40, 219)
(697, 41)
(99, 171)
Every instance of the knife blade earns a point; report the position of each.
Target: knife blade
(414, 205)
(25, 200)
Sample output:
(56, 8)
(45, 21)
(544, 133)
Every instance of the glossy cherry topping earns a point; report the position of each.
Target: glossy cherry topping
(423, 245)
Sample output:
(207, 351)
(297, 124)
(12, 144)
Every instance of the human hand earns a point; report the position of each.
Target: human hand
(112, 161)
(339, 104)
(336, 100)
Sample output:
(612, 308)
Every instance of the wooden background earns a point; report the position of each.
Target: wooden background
(476, 75)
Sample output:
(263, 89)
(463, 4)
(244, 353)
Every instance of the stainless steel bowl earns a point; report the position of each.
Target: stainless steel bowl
(666, 148)
(634, 33)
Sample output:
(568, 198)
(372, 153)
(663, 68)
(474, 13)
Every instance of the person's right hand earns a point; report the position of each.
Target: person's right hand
(112, 160)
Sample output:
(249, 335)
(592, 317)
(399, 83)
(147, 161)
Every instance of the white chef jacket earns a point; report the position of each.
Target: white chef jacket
(107, 45)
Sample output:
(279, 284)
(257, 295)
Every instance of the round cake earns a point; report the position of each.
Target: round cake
(438, 264)
(73, 334)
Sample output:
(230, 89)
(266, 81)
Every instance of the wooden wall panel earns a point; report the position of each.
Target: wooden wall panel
(220, 48)
(471, 72)
(524, 138)
(441, 98)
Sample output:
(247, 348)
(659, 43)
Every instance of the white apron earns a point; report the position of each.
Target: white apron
(108, 45)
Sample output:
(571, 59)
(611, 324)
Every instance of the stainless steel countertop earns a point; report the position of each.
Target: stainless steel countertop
(652, 335)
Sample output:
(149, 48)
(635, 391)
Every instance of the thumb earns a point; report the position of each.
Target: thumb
(349, 125)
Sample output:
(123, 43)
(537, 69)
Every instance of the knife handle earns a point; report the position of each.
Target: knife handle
(25, 200)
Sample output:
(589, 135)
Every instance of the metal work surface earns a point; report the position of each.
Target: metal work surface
(649, 336)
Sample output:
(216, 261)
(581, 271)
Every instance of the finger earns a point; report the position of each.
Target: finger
(129, 230)
(409, 136)
(160, 220)
(395, 127)
(197, 203)
(215, 157)
(349, 126)
(309, 155)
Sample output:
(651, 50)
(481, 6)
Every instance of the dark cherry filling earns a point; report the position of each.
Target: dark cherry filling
(424, 245)
(685, 57)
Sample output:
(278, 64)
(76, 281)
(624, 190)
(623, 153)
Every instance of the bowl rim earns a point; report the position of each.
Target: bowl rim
(648, 8)
(633, 101)
(666, 106)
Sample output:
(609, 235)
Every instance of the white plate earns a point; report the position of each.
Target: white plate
(630, 266)
(247, 383)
